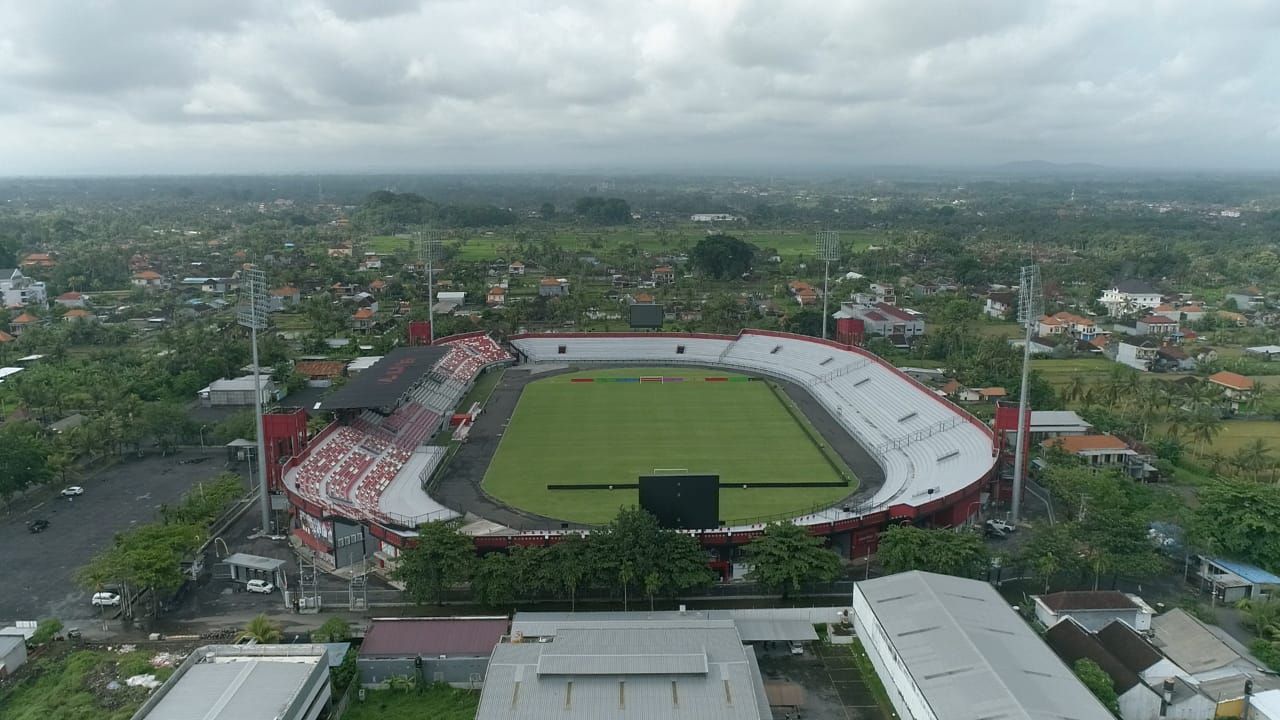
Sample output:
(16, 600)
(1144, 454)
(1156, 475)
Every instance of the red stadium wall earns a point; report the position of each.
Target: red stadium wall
(284, 435)
(419, 333)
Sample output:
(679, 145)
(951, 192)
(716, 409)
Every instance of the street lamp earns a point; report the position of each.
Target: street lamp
(202, 428)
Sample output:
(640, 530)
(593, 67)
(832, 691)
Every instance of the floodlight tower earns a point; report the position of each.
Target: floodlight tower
(252, 314)
(428, 241)
(827, 247)
(1030, 306)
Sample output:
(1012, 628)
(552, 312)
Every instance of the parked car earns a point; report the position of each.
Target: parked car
(1002, 526)
(38, 526)
(72, 491)
(259, 586)
(797, 648)
(105, 599)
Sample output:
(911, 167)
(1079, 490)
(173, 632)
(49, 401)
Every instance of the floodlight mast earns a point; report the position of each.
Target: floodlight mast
(1030, 304)
(827, 248)
(253, 315)
(428, 241)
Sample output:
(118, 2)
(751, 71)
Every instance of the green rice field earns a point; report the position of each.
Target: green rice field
(570, 432)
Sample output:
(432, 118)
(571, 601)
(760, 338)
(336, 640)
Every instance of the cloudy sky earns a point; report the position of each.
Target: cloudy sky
(167, 86)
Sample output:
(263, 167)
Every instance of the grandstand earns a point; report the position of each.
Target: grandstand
(928, 448)
(376, 447)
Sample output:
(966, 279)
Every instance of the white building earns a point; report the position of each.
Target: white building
(1129, 296)
(236, 391)
(1093, 609)
(713, 217)
(949, 648)
(244, 682)
(18, 290)
(1137, 354)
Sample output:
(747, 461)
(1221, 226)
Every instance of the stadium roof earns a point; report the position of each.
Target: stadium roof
(433, 636)
(969, 654)
(695, 670)
(389, 378)
(239, 682)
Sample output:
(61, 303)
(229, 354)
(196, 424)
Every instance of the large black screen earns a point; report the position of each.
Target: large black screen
(689, 502)
(646, 316)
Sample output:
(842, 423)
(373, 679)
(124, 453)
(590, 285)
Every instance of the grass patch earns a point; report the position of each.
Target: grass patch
(565, 432)
(482, 389)
(1060, 372)
(869, 676)
(74, 686)
(1238, 433)
(438, 702)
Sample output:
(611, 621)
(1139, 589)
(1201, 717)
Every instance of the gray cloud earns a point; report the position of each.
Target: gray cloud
(241, 85)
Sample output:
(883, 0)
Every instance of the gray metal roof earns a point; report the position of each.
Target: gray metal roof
(1189, 644)
(238, 683)
(695, 671)
(969, 654)
(256, 562)
(750, 629)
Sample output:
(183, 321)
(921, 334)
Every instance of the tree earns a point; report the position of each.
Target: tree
(1241, 519)
(806, 322)
(261, 629)
(1051, 550)
(785, 556)
(493, 583)
(167, 423)
(943, 550)
(547, 211)
(722, 257)
(23, 458)
(335, 629)
(1203, 426)
(1098, 682)
(569, 566)
(442, 558)
(603, 211)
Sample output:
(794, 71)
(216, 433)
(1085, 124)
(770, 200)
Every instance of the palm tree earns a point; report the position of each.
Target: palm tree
(1203, 426)
(262, 630)
(1076, 389)
(1252, 458)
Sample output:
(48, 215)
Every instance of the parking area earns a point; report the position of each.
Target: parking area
(831, 685)
(39, 569)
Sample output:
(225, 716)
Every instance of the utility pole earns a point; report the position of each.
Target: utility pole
(827, 247)
(252, 314)
(1029, 304)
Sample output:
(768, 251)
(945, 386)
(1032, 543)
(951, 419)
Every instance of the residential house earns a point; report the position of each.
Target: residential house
(1233, 317)
(885, 293)
(72, 299)
(39, 260)
(78, 314)
(1232, 581)
(553, 287)
(1235, 387)
(284, 297)
(999, 305)
(1171, 358)
(929, 289)
(378, 286)
(320, 373)
(364, 319)
(712, 217)
(1218, 665)
(1065, 323)
(18, 290)
(19, 325)
(664, 274)
(1045, 424)
(1138, 699)
(148, 279)
(1093, 609)
(1192, 312)
(640, 298)
(1137, 353)
(1102, 452)
(496, 296)
(1246, 299)
(239, 391)
(6, 338)
(340, 251)
(516, 268)
(371, 261)
(987, 394)
(1157, 326)
(1129, 296)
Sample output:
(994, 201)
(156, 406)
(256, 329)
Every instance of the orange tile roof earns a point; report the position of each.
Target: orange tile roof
(147, 275)
(1085, 443)
(1228, 379)
(77, 313)
(319, 368)
(364, 314)
(6, 337)
(992, 392)
(1158, 320)
(284, 291)
(497, 290)
(73, 295)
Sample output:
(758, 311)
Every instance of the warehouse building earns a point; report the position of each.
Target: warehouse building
(948, 648)
(244, 682)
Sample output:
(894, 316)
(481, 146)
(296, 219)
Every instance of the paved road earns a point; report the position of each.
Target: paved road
(39, 570)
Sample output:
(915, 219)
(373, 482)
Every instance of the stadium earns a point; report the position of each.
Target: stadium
(787, 427)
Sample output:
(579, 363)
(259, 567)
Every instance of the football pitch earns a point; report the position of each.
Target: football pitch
(567, 432)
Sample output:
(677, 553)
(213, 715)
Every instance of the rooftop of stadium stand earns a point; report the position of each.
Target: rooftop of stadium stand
(387, 380)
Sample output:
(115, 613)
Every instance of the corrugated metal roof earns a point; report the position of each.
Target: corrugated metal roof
(759, 630)
(970, 655)
(1249, 573)
(728, 689)
(624, 664)
(410, 637)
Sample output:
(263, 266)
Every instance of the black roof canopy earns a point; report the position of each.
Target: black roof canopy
(386, 380)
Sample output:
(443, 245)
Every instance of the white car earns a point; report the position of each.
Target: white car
(1002, 526)
(106, 599)
(796, 647)
(259, 586)
(72, 491)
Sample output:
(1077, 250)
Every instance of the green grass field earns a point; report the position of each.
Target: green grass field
(565, 432)
(438, 702)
